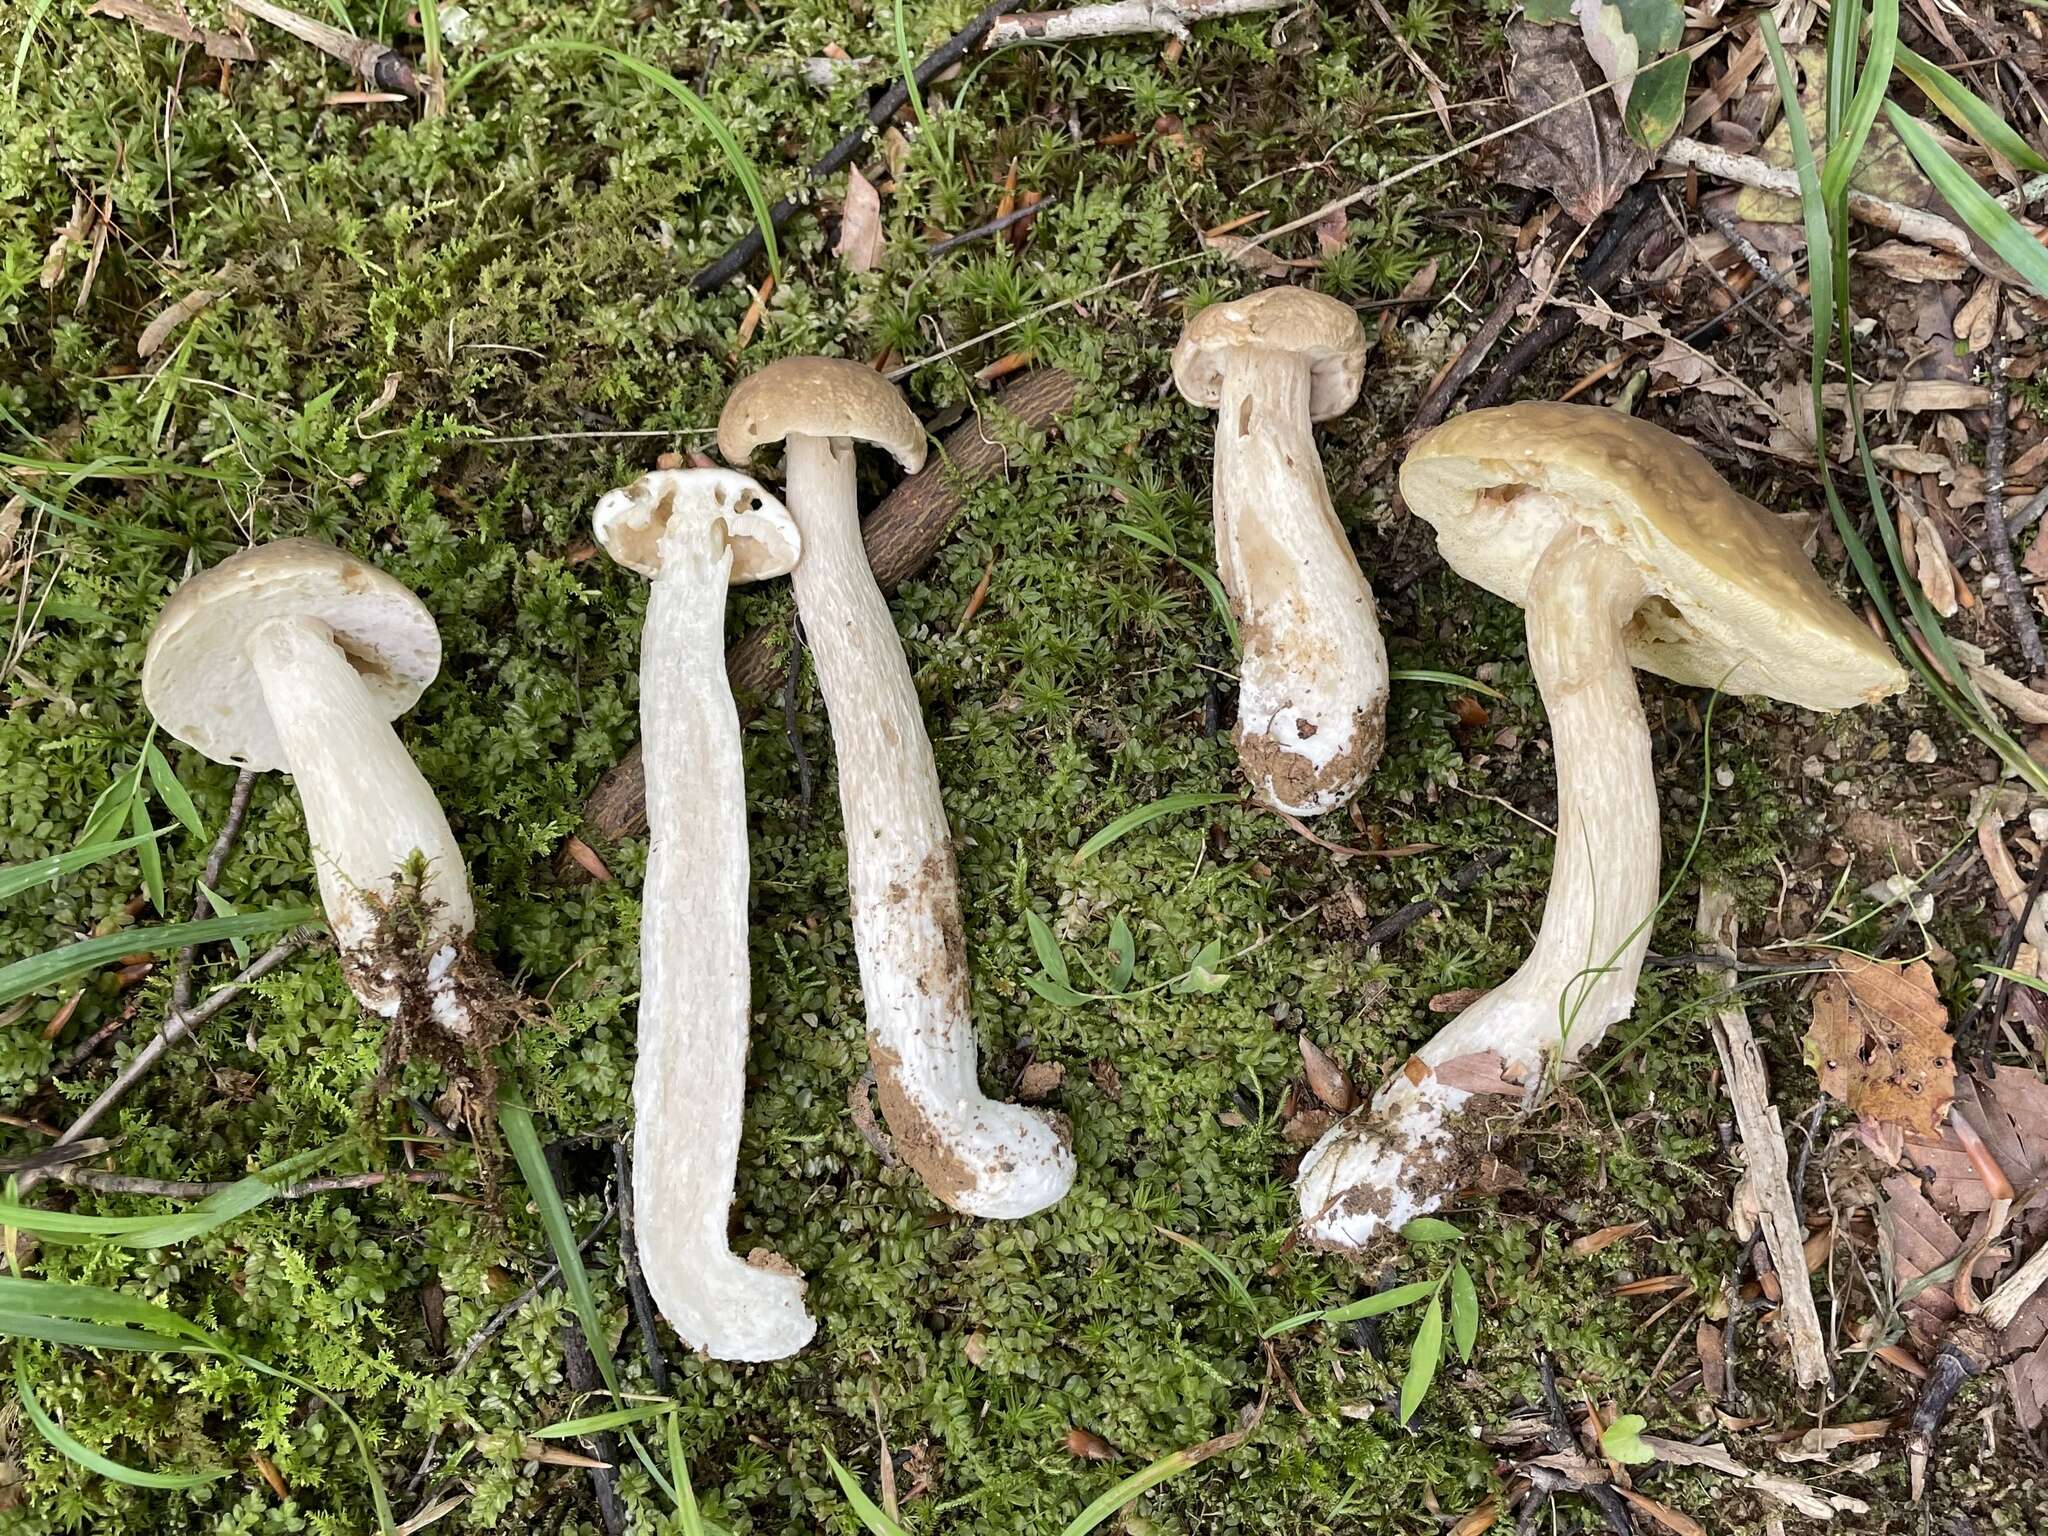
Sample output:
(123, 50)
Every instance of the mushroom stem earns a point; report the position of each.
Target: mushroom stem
(1394, 1161)
(978, 1155)
(1313, 675)
(368, 809)
(689, 1086)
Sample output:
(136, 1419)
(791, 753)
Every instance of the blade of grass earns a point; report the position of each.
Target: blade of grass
(687, 1513)
(864, 1508)
(1214, 1260)
(1423, 1359)
(516, 1122)
(908, 65)
(1988, 219)
(1130, 821)
(1365, 1306)
(591, 1424)
(162, 1231)
(1446, 679)
(1846, 141)
(172, 792)
(1217, 596)
(728, 146)
(72, 1448)
(1967, 110)
(16, 878)
(25, 977)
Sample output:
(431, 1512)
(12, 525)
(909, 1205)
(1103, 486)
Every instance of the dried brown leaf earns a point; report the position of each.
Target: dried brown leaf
(1675, 1521)
(1579, 153)
(1328, 1081)
(860, 224)
(1879, 1043)
(1481, 1072)
(1040, 1079)
(1089, 1446)
(1606, 1237)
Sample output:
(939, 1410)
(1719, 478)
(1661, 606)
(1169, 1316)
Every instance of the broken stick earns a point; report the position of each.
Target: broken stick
(902, 534)
(1763, 1149)
(1123, 18)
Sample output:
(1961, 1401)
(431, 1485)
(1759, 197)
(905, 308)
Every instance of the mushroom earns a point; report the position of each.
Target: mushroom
(978, 1155)
(691, 532)
(296, 655)
(1312, 681)
(1625, 549)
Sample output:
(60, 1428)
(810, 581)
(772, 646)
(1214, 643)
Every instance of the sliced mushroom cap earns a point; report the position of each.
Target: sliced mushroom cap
(197, 676)
(1301, 321)
(722, 506)
(1734, 603)
(819, 397)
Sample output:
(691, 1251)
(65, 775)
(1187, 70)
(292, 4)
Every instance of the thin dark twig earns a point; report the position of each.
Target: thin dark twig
(190, 1189)
(1951, 864)
(178, 1026)
(892, 101)
(1566, 1443)
(636, 1282)
(792, 728)
(2017, 601)
(216, 862)
(992, 227)
(1599, 270)
(1459, 882)
(1810, 1129)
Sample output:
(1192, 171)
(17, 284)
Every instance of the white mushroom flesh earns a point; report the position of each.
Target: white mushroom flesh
(977, 1154)
(1397, 1159)
(689, 1085)
(369, 812)
(1313, 673)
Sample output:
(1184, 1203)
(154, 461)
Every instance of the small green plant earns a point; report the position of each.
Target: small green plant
(1426, 1354)
(1054, 980)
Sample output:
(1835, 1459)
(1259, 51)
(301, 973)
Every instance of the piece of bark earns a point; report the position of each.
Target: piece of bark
(1763, 1149)
(901, 534)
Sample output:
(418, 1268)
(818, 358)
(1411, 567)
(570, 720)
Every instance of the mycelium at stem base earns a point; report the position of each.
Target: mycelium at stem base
(977, 1154)
(1401, 1157)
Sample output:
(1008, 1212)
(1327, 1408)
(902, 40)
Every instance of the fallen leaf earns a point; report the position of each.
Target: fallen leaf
(1333, 231)
(1912, 395)
(860, 224)
(1808, 1500)
(1089, 1446)
(1818, 1443)
(1107, 1078)
(1910, 263)
(1580, 153)
(1883, 169)
(975, 1348)
(1455, 1001)
(1711, 1345)
(1606, 1237)
(1480, 1072)
(1326, 1080)
(1879, 1043)
(1255, 258)
(1683, 1453)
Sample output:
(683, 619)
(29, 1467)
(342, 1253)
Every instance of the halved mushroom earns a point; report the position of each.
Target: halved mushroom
(1312, 681)
(1625, 549)
(693, 531)
(296, 655)
(976, 1154)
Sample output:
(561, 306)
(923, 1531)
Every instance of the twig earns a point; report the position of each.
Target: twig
(177, 1026)
(1971, 1348)
(992, 227)
(1123, 18)
(1564, 1442)
(216, 862)
(1600, 269)
(188, 1189)
(1763, 1153)
(217, 45)
(1989, 1004)
(1459, 882)
(892, 101)
(901, 535)
(1747, 170)
(636, 1282)
(379, 66)
(2017, 601)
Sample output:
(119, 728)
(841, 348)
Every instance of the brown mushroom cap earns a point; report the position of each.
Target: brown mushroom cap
(819, 397)
(1301, 320)
(633, 521)
(1734, 603)
(196, 675)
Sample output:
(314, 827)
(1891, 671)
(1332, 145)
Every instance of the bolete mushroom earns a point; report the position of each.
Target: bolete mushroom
(692, 532)
(1625, 549)
(295, 655)
(1312, 679)
(978, 1155)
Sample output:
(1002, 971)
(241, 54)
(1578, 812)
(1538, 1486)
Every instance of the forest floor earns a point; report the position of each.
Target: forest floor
(437, 339)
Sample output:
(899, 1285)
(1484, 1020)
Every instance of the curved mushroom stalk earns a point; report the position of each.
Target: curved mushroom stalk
(1312, 697)
(1396, 1160)
(976, 1154)
(296, 655)
(1626, 550)
(692, 532)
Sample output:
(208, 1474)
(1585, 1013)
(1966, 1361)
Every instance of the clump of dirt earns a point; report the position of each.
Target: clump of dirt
(1295, 778)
